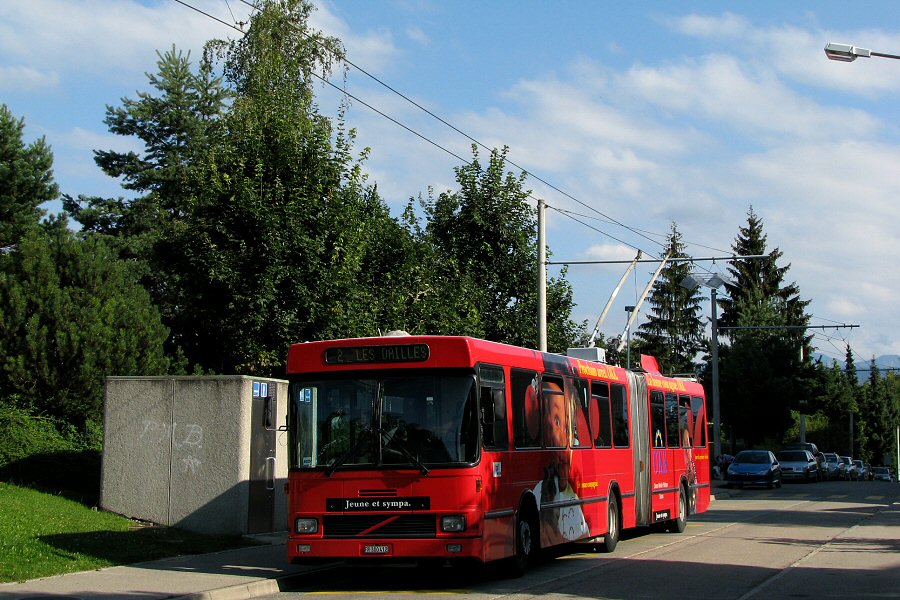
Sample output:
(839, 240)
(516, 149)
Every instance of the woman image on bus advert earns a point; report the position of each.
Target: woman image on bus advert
(559, 524)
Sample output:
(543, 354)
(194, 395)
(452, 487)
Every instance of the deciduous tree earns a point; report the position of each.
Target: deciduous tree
(487, 233)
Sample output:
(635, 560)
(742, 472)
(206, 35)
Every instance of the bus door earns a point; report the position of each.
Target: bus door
(662, 475)
(640, 428)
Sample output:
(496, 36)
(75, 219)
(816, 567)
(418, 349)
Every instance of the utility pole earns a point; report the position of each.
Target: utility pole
(717, 419)
(542, 275)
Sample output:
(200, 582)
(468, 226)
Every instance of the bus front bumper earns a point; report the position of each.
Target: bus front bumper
(443, 548)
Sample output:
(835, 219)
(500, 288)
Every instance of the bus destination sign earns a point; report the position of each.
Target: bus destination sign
(355, 355)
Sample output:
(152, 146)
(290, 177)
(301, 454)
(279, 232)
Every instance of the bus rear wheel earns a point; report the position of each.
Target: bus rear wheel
(611, 538)
(678, 524)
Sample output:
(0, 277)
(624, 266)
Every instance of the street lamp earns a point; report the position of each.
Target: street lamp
(847, 53)
(713, 282)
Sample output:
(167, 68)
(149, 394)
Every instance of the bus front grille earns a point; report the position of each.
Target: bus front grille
(379, 526)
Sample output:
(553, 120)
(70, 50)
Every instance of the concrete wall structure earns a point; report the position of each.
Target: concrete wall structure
(199, 453)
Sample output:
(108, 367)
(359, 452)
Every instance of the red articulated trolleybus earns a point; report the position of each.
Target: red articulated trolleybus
(455, 448)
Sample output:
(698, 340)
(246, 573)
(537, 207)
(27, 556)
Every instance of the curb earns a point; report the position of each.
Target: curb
(255, 589)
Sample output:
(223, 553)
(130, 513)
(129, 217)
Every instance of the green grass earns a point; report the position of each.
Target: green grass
(43, 534)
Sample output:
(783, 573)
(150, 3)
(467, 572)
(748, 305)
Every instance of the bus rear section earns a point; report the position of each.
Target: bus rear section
(679, 453)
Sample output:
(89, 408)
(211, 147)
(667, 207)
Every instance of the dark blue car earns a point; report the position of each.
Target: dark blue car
(754, 467)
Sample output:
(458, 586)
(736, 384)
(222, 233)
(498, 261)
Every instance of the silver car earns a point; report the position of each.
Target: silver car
(852, 473)
(798, 464)
(882, 474)
(834, 467)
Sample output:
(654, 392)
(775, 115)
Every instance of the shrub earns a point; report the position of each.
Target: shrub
(23, 434)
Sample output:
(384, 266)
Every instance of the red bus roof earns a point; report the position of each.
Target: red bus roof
(434, 351)
(418, 351)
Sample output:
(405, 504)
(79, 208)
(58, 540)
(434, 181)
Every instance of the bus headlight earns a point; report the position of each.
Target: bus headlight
(306, 525)
(453, 523)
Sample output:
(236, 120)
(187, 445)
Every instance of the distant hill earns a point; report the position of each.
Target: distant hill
(886, 363)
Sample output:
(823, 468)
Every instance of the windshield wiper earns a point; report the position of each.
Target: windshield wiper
(404, 451)
(366, 436)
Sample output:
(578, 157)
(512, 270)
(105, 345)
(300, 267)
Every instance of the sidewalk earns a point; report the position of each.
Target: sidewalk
(719, 490)
(236, 574)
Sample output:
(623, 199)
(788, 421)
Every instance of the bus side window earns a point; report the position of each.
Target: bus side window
(578, 409)
(685, 418)
(526, 407)
(619, 398)
(602, 427)
(673, 439)
(493, 407)
(657, 419)
(699, 410)
(555, 425)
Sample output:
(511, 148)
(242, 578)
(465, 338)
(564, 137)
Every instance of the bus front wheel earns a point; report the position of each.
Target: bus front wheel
(527, 542)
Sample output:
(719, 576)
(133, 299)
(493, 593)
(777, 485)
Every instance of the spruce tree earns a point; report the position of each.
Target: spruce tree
(176, 123)
(761, 281)
(26, 180)
(875, 412)
(765, 321)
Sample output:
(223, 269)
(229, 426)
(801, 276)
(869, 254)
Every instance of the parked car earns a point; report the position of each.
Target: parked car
(862, 471)
(882, 474)
(754, 467)
(798, 464)
(852, 473)
(835, 468)
(820, 458)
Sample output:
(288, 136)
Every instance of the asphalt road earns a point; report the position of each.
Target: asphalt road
(820, 540)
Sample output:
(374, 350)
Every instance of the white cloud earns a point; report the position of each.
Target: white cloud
(799, 53)
(374, 51)
(737, 95)
(610, 252)
(102, 37)
(726, 26)
(22, 79)
(418, 35)
(87, 141)
(564, 104)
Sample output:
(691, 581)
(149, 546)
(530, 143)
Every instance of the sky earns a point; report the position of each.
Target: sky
(628, 117)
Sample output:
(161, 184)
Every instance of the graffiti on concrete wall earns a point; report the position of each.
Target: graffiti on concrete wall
(187, 437)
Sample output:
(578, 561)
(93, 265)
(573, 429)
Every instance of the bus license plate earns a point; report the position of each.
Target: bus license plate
(376, 549)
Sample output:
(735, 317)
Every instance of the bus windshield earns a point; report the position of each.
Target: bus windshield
(418, 420)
